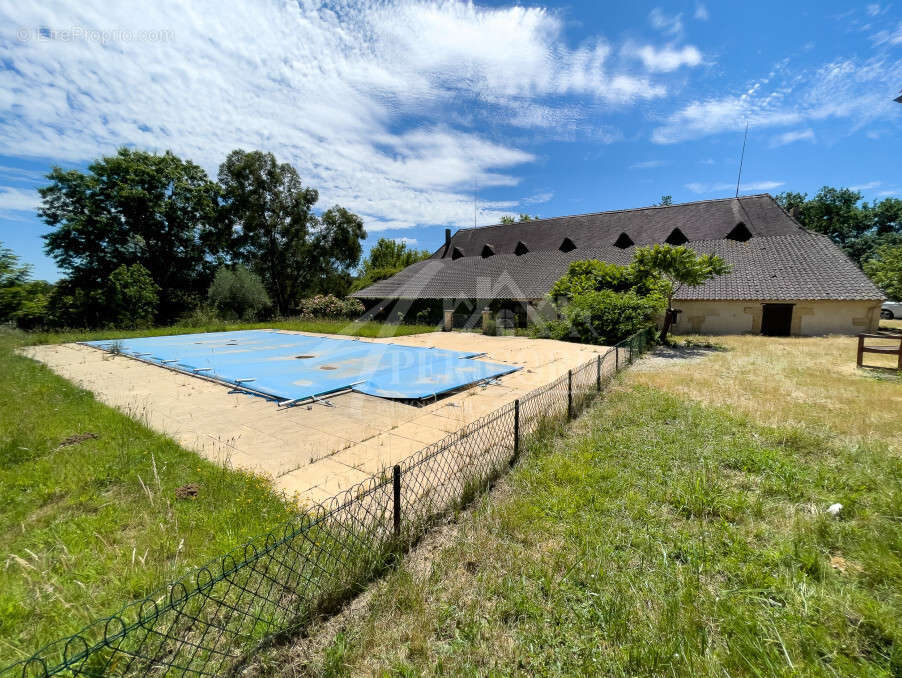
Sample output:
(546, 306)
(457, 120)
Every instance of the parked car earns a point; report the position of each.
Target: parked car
(891, 309)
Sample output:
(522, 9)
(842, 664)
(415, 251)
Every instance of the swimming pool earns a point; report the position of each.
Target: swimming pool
(296, 367)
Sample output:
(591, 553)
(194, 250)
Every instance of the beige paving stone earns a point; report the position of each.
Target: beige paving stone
(318, 451)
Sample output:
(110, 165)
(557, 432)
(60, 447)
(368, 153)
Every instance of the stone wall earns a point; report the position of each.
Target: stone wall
(808, 317)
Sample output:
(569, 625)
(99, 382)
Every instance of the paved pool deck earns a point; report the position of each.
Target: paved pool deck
(310, 452)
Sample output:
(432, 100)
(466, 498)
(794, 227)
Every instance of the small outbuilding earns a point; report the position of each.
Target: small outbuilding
(785, 280)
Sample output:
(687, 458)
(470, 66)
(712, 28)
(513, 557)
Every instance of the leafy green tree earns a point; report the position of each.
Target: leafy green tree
(33, 307)
(276, 233)
(675, 267)
(336, 246)
(132, 296)
(385, 259)
(237, 293)
(666, 201)
(594, 275)
(885, 269)
(507, 219)
(134, 207)
(13, 277)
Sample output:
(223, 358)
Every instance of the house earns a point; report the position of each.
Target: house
(785, 280)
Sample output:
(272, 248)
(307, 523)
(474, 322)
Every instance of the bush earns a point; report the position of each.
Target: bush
(603, 317)
(132, 296)
(200, 316)
(490, 328)
(32, 313)
(330, 306)
(237, 294)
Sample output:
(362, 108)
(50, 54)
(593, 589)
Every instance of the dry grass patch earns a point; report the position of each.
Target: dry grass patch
(807, 382)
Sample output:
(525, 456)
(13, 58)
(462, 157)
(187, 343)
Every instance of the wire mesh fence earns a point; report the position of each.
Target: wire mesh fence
(210, 622)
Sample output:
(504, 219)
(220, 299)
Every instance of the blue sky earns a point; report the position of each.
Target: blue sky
(395, 108)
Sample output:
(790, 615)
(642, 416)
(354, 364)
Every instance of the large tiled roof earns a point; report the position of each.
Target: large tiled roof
(798, 266)
(704, 220)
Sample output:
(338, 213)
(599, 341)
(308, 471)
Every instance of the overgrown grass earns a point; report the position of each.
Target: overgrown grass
(658, 536)
(810, 383)
(88, 526)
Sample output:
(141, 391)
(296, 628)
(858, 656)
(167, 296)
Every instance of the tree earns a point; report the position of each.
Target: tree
(132, 296)
(385, 259)
(335, 248)
(885, 269)
(14, 276)
(666, 201)
(606, 316)
(276, 233)
(507, 219)
(593, 275)
(237, 293)
(133, 208)
(676, 267)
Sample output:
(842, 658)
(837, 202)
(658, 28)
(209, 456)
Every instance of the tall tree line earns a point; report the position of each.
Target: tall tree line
(165, 215)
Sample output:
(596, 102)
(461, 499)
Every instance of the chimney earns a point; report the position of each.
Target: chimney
(447, 242)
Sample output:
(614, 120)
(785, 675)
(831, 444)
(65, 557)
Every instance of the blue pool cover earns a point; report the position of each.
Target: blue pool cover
(292, 367)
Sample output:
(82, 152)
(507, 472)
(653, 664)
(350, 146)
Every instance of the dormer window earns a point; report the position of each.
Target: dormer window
(740, 233)
(456, 253)
(676, 238)
(623, 241)
(487, 251)
(521, 248)
(567, 245)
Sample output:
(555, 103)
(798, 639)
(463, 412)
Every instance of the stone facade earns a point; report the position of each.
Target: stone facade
(808, 317)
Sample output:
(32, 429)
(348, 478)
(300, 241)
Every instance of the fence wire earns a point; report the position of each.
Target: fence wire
(210, 622)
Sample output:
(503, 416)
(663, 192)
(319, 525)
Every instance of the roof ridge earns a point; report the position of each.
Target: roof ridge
(628, 209)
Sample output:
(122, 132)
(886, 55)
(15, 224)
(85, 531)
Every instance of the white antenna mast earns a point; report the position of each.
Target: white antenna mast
(742, 157)
(475, 199)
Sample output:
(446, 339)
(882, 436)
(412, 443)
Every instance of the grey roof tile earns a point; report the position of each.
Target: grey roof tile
(800, 266)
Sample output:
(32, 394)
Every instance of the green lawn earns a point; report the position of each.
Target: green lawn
(89, 526)
(654, 536)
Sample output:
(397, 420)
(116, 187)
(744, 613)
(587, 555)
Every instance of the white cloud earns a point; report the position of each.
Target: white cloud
(410, 242)
(858, 91)
(668, 24)
(867, 187)
(537, 198)
(888, 37)
(18, 200)
(665, 59)
(648, 164)
(745, 187)
(381, 104)
(701, 12)
(792, 137)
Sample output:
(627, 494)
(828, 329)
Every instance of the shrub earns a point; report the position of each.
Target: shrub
(604, 317)
(490, 328)
(237, 294)
(132, 296)
(330, 306)
(32, 312)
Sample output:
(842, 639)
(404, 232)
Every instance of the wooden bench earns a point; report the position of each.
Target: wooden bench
(884, 350)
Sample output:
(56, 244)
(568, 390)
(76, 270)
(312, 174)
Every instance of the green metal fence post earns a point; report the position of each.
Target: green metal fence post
(396, 491)
(569, 394)
(598, 373)
(516, 429)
